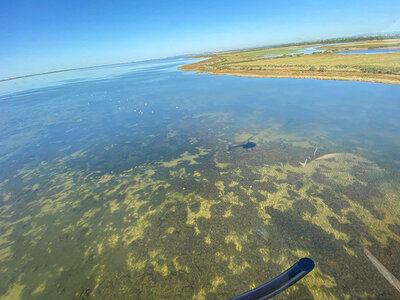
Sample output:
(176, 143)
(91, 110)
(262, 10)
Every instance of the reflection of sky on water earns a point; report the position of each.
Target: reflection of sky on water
(94, 73)
(313, 49)
(369, 51)
(307, 50)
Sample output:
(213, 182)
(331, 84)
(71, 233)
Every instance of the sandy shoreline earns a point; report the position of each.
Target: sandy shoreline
(203, 67)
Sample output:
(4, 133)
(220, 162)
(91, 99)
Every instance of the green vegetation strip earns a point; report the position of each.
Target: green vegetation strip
(383, 67)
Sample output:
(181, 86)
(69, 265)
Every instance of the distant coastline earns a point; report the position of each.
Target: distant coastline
(324, 62)
(66, 70)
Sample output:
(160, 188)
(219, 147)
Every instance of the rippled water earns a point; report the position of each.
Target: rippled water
(121, 185)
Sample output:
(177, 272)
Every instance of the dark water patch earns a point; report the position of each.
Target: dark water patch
(365, 172)
(295, 179)
(249, 174)
(395, 228)
(195, 207)
(329, 253)
(269, 185)
(363, 195)
(355, 229)
(312, 191)
(388, 255)
(292, 195)
(334, 201)
(319, 177)
(289, 224)
(304, 205)
(326, 168)
(280, 152)
(260, 197)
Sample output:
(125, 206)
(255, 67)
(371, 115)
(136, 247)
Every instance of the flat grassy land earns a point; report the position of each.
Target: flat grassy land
(383, 67)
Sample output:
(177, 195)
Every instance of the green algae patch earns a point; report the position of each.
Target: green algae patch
(186, 157)
(6, 197)
(5, 254)
(236, 239)
(193, 140)
(5, 237)
(139, 196)
(220, 186)
(14, 293)
(233, 183)
(203, 212)
(228, 213)
(219, 280)
(40, 288)
(238, 265)
(199, 224)
(172, 133)
(219, 164)
(265, 254)
(318, 65)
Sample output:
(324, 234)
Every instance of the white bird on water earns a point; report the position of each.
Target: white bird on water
(303, 163)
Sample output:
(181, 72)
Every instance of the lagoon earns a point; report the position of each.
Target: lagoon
(119, 183)
(369, 51)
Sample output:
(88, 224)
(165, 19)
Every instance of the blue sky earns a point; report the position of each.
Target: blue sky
(39, 36)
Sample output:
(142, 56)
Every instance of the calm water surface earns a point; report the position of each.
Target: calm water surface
(117, 183)
(370, 51)
(306, 50)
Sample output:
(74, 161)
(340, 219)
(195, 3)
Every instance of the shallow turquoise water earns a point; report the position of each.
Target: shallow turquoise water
(117, 182)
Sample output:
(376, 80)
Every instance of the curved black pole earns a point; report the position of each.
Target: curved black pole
(281, 282)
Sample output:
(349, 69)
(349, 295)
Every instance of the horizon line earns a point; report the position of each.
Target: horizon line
(67, 70)
(392, 34)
